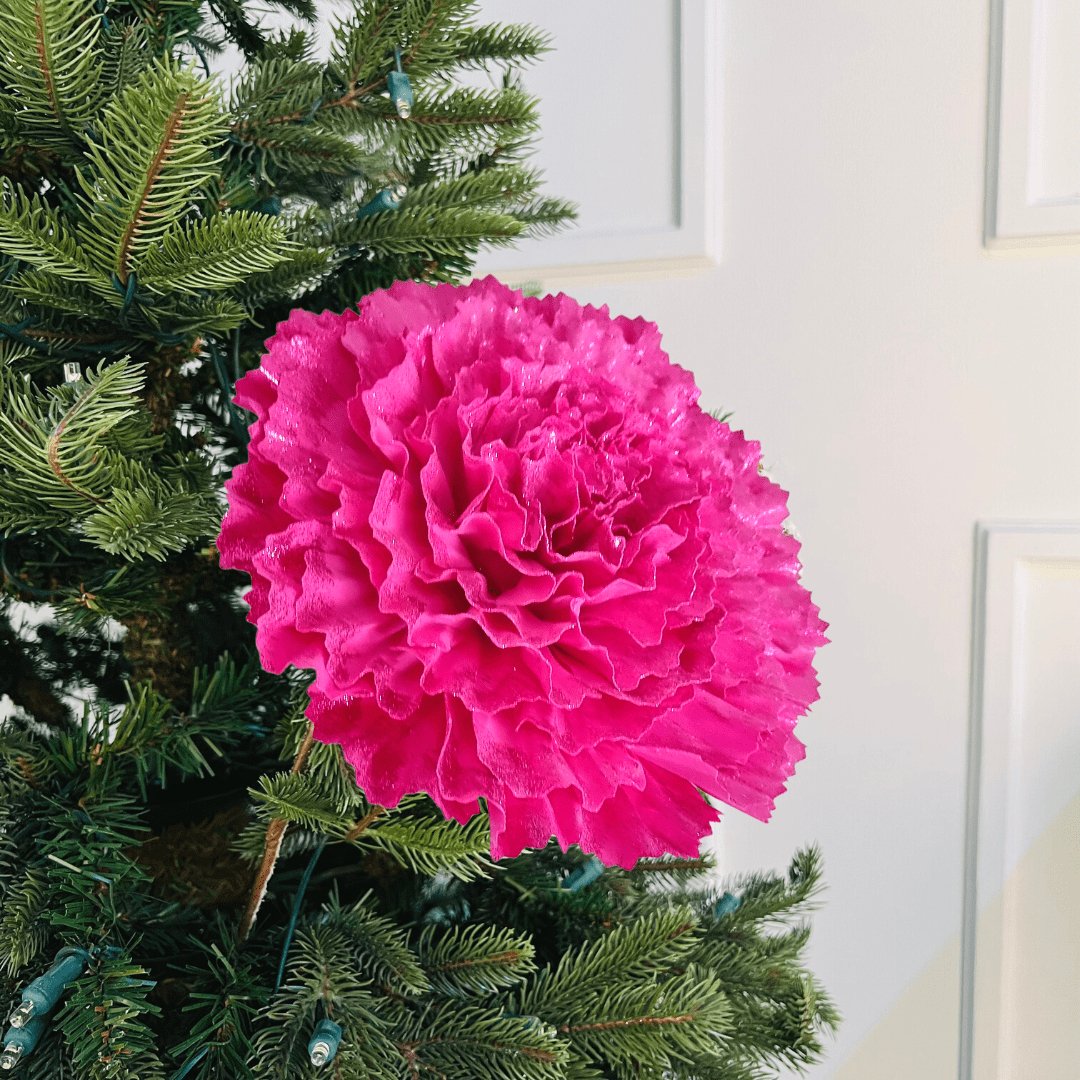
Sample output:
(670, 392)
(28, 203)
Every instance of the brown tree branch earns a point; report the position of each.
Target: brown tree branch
(275, 834)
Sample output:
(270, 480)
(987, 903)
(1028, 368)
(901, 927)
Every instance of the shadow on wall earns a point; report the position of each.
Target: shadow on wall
(1035, 919)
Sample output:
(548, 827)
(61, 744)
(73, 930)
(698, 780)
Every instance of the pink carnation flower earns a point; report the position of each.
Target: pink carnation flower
(525, 567)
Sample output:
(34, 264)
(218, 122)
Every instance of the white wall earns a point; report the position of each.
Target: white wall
(906, 382)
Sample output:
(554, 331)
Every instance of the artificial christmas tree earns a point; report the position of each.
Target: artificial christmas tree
(190, 884)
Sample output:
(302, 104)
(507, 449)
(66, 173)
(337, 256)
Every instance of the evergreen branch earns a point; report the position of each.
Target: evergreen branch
(642, 949)
(673, 866)
(363, 824)
(300, 151)
(126, 55)
(492, 188)
(59, 293)
(443, 15)
(52, 60)
(187, 316)
(475, 960)
(213, 254)
(411, 230)
(543, 217)
(671, 874)
(299, 800)
(155, 152)
(451, 125)
(174, 124)
(464, 1040)
(648, 1027)
(36, 233)
(159, 516)
(224, 1003)
(238, 26)
(326, 767)
(289, 280)
(274, 90)
(380, 948)
(771, 897)
(362, 45)
(53, 445)
(46, 340)
(426, 843)
(480, 46)
(77, 455)
(155, 739)
(22, 931)
(104, 1023)
(45, 66)
(55, 438)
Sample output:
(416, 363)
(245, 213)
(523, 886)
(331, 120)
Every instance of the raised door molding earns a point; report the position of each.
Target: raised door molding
(1021, 948)
(629, 98)
(1033, 130)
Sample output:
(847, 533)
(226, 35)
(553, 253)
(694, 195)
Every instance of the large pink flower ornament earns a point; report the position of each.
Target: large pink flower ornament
(525, 567)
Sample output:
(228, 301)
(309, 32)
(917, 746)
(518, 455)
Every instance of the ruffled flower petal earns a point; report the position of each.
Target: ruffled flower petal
(527, 570)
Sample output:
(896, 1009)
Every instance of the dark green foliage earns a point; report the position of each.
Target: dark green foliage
(110, 1004)
(475, 960)
(154, 225)
(506, 974)
(82, 457)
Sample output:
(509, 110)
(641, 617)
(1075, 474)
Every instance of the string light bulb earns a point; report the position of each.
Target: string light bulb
(40, 996)
(324, 1042)
(387, 199)
(401, 93)
(584, 875)
(19, 1042)
(727, 904)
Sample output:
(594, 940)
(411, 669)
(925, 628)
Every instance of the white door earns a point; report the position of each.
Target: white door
(797, 193)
